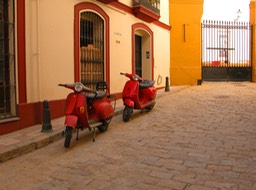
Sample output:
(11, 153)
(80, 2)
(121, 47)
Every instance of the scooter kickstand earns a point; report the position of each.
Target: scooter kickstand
(93, 140)
(77, 130)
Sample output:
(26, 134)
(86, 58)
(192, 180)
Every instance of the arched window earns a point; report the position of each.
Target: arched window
(91, 48)
(91, 44)
(7, 61)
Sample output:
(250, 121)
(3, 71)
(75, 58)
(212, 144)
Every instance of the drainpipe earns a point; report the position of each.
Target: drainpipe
(38, 51)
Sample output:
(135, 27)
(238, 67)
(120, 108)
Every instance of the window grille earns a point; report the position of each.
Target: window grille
(91, 49)
(153, 5)
(7, 60)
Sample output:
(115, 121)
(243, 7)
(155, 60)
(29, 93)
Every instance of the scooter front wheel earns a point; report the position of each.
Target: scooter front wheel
(68, 136)
(127, 113)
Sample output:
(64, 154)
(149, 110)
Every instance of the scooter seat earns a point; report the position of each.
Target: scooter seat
(100, 94)
(146, 83)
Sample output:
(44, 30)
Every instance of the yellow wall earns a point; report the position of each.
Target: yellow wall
(185, 19)
(253, 23)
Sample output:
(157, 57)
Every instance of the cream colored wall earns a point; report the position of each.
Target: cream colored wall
(161, 55)
(50, 47)
(120, 47)
(126, 2)
(164, 12)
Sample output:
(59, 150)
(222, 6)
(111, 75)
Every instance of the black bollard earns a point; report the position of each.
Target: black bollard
(167, 89)
(46, 126)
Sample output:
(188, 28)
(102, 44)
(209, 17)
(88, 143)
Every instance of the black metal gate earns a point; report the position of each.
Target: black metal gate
(226, 51)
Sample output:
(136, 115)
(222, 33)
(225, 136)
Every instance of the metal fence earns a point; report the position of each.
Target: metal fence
(226, 50)
(226, 44)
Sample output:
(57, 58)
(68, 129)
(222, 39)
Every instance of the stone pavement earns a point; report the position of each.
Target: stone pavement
(29, 139)
(200, 138)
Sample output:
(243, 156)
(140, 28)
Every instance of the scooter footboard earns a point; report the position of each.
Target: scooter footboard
(148, 93)
(71, 121)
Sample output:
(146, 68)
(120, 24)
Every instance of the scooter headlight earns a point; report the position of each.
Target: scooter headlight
(78, 88)
(134, 77)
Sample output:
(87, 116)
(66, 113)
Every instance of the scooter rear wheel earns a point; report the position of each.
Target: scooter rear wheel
(104, 125)
(150, 107)
(127, 113)
(68, 136)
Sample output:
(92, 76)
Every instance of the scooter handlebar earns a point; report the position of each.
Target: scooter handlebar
(62, 85)
(132, 76)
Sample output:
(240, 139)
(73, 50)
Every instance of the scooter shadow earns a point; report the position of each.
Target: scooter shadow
(138, 113)
(85, 136)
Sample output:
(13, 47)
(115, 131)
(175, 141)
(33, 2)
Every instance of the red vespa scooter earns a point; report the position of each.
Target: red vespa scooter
(137, 94)
(85, 107)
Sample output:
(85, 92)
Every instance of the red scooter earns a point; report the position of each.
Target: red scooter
(86, 107)
(137, 94)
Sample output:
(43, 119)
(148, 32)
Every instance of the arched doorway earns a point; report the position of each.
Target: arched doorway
(142, 51)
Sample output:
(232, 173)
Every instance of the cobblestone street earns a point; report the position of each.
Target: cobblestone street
(199, 138)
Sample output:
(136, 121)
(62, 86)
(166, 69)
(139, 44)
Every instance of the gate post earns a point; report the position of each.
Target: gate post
(253, 35)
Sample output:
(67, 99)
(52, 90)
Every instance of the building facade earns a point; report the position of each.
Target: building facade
(44, 43)
(185, 19)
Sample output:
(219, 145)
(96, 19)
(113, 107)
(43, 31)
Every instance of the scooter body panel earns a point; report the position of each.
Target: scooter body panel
(130, 93)
(147, 97)
(71, 121)
(137, 98)
(129, 102)
(101, 109)
(71, 104)
(76, 112)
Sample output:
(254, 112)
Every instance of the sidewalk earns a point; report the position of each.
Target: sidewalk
(29, 139)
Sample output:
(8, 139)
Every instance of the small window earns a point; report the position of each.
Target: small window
(7, 60)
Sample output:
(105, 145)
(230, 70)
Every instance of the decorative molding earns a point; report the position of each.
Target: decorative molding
(107, 1)
(186, 1)
(145, 14)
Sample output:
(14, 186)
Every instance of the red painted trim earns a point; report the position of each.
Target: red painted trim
(107, 1)
(150, 32)
(82, 7)
(133, 49)
(122, 7)
(32, 114)
(160, 88)
(162, 25)
(21, 53)
(118, 95)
